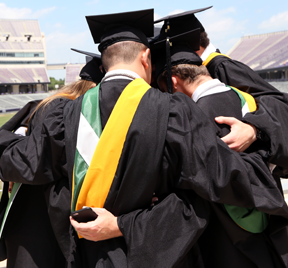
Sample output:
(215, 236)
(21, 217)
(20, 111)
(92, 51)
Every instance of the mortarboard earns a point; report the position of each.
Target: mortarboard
(182, 22)
(176, 25)
(91, 71)
(182, 51)
(128, 26)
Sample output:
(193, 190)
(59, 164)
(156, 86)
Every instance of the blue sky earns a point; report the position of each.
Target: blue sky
(65, 27)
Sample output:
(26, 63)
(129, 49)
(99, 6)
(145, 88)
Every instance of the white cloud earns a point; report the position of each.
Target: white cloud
(58, 46)
(59, 39)
(221, 26)
(42, 12)
(22, 13)
(276, 22)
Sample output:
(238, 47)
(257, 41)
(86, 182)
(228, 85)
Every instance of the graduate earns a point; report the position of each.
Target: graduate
(269, 121)
(235, 237)
(131, 141)
(36, 234)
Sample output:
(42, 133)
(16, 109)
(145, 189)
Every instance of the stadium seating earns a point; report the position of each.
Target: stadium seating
(22, 53)
(23, 75)
(262, 51)
(16, 102)
(72, 73)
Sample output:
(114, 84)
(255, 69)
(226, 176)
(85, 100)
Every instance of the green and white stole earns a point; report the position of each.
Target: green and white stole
(250, 219)
(98, 154)
(15, 189)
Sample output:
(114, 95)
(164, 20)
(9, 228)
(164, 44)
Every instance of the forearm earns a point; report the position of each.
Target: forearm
(171, 228)
(271, 119)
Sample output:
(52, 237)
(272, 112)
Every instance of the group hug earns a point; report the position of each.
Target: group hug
(177, 149)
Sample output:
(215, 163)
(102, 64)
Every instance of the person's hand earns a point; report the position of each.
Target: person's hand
(241, 136)
(103, 228)
(10, 186)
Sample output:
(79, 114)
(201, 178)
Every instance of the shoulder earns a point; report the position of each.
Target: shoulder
(52, 109)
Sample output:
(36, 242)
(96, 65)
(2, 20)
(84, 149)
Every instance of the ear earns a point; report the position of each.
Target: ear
(145, 58)
(174, 81)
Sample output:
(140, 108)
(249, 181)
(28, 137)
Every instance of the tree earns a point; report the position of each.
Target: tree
(54, 82)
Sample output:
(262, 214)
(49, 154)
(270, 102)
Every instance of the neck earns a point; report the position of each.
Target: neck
(200, 51)
(131, 67)
(201, 80)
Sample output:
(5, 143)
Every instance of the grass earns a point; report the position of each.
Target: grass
(4, 118)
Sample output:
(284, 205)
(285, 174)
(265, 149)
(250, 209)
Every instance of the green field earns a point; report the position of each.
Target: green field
(4, 118)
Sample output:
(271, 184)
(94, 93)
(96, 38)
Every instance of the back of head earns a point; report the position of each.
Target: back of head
(124, 52)
(204, 40)
(189, 73)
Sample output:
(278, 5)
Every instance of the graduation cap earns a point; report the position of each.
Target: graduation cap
(128, 26)
(176, 25)
(181, 22)
(166, 58)
(155, 36)
(91, 71)
(182, 51)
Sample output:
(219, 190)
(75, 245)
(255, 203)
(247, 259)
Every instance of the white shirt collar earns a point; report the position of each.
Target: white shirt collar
(208, 50)
(120, 74)
(208, 88)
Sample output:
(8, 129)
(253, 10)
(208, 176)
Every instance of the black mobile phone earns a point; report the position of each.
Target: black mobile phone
(84, 215)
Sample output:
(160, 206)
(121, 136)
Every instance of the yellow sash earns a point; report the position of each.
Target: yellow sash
(104, 163)
(211, 56)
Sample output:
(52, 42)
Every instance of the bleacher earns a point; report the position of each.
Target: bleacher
(262, 51)
(22, 55)
(9, 103)
(23, 75)
(72, 73)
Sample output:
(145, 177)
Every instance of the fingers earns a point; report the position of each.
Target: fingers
(226, 120)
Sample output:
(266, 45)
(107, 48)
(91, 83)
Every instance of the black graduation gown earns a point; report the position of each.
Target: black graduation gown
(272, 112)
(170, 148)
(270, 117)
(28, 224)
(18, 120)
(224, 243)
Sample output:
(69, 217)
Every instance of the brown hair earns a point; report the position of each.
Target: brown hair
(125, 52)
(204, 40)
(71, 91)
(186, 72)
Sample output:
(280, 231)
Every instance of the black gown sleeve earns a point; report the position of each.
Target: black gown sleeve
(21, 117)
(199, 168)
(271, 115)
(40, 157)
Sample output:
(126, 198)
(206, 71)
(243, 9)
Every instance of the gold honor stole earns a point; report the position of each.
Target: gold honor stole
(92, 188)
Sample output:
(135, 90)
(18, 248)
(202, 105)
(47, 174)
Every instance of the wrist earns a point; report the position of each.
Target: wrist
(117, 232)
(254, 135)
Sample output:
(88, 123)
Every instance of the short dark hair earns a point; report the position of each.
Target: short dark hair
(204, 40)
(186, 72)
(125, 52)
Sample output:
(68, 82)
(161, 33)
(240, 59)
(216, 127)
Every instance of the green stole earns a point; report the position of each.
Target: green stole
(93, 177)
